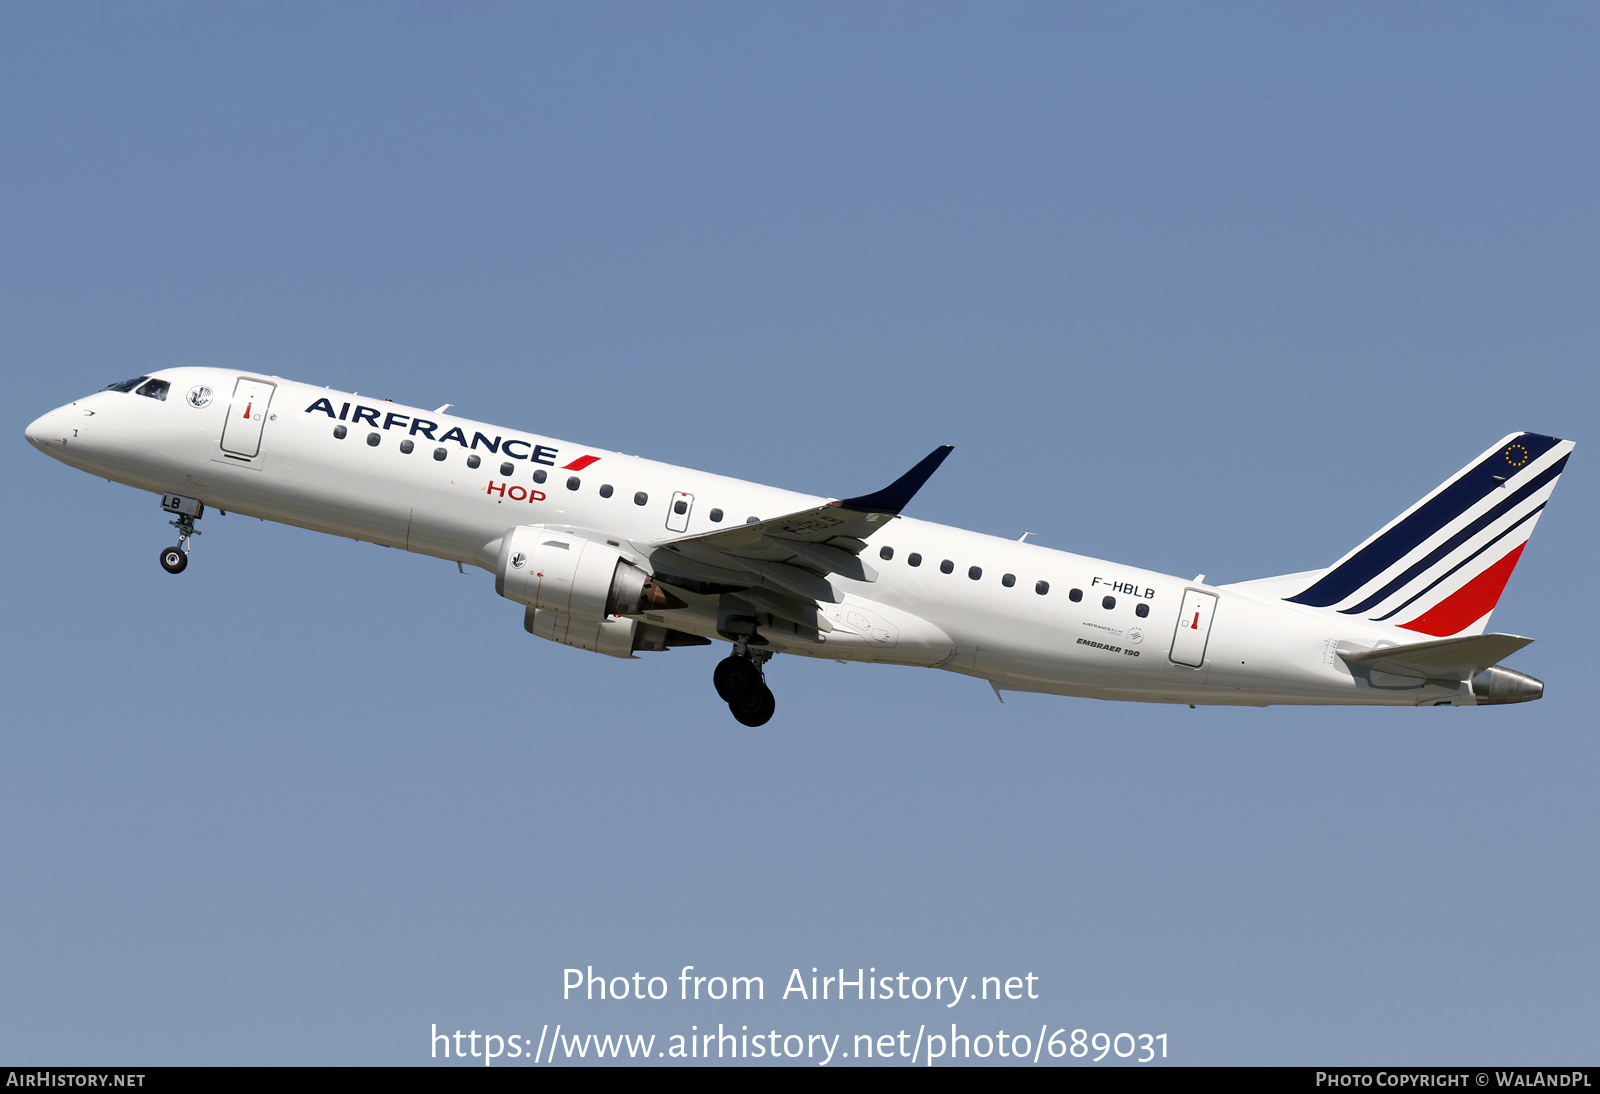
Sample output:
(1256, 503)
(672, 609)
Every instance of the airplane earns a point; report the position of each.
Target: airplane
(621, 555)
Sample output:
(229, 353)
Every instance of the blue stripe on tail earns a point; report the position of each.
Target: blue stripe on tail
(1471, 487)
(1460, 537)
(1473, 557)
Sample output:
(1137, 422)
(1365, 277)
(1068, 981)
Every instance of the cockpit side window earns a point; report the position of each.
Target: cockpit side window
(127, 385)
(155, 389)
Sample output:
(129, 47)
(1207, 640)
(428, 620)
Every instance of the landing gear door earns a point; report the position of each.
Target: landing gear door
(1194, 628)
(241, 434)
(678, 512)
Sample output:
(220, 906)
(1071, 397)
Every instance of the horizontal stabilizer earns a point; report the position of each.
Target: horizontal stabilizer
(1445, 659)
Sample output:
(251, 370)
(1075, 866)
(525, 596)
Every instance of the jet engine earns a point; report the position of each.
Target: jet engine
(561, 572)
(576, 590)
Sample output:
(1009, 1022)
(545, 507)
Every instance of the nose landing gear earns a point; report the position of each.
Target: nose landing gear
(741, 684)
(175, 559)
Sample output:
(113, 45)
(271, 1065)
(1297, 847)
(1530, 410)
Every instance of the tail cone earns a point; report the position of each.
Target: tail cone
(1496, 685)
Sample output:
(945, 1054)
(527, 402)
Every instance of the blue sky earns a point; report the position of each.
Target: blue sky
(1204, 289)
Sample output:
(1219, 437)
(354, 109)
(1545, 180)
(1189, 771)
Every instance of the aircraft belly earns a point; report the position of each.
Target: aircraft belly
(1257, 654)
(446, 518)
(868, 630)
(1064, 656)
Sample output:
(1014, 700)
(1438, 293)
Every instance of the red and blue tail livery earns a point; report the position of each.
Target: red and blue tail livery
(1439, 568)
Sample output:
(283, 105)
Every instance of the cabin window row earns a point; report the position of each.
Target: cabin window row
(975, 573)
(540, 475)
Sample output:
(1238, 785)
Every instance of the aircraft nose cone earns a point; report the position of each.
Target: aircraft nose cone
(38, 430)
(49, 432)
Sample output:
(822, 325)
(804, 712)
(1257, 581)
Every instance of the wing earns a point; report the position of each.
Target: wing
(792, 556)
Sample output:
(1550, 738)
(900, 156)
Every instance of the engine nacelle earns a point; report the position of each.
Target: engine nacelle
(568, 574)
(609, 635)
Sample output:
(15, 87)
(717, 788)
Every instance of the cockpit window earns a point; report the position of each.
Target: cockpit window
(127, 385)
(155, 389)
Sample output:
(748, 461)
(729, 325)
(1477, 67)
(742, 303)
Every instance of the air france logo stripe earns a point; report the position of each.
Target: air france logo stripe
(1427, 519)
(1448, 574)
(1470, 603)
(1461, 537)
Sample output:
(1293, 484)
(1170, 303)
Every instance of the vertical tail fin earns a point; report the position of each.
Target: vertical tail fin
(1439, 567)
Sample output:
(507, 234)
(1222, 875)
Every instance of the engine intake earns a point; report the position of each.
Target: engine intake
(561, 572)
(577, 591)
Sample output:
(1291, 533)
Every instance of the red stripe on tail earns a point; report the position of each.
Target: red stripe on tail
(1468, 604)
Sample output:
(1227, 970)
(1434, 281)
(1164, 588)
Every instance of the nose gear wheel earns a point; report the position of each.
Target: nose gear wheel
(188, 510)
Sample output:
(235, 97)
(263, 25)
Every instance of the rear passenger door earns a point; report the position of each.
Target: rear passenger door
(1194, 628)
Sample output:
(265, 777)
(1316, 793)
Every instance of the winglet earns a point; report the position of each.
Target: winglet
(895, 497)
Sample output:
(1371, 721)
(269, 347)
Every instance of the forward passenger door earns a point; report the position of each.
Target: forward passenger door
(241, 433)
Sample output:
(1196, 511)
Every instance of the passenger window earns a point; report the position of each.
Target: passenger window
(339, 432)
(573, 483)
(680, 507)
(1075, 595)
(373, 439)
(1108, 603)
(1142, 610)
(155, 389)
(506, 469)
(407, 446)
(913, 559)
(473, 460)
(127, 385)
(947, 566)
(1041, 587)
(540, 476)
(975, 572)
(1009, 580)
(886, 553)
(605, 491)
(439, 453)
(641, 498)
(716, 516)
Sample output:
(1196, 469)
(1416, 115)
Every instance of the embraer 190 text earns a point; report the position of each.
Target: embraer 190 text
(618, 555)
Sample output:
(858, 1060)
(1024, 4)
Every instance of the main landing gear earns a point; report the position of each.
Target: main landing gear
(741, 684)
(175, 559)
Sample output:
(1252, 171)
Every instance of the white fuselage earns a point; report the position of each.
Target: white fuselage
(1252, 650)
